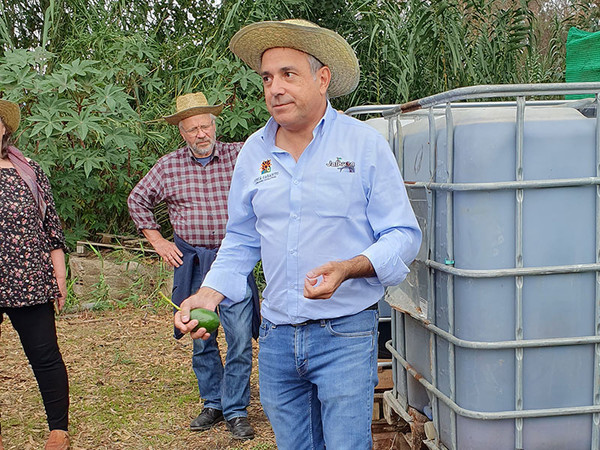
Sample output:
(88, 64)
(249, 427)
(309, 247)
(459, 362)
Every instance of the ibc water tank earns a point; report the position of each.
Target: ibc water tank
(498, 321)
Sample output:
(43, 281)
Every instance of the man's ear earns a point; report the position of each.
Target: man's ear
(324, 77)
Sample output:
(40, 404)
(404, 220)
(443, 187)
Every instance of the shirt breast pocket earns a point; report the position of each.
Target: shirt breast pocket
(333, 194)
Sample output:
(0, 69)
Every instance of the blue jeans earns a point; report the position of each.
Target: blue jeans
(226, 388)
(317, 381)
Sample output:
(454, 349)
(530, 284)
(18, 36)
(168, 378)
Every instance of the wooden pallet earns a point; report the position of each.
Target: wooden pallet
(386, 380)
(386, 436)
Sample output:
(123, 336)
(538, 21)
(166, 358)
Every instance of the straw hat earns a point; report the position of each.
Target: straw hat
(11, 115)
(327, 46)
(189, 105)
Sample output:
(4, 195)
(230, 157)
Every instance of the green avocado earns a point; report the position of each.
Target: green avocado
(206, 319)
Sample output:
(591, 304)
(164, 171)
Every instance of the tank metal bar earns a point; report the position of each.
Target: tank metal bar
(368, 109)
(450, 260)
(431, 287)
(596, 416)
(383, 109)
(396, 144)
(401, 385)
(492, 415)
(504, 185)
(512, 272)
(495, 91)
(397, 406)
(520, 125)
(432, 445)
(399, 375)
(400, 143)
(390, 138)
(384, 364)
(498, 345)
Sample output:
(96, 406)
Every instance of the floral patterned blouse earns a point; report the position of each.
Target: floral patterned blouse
(26, 271)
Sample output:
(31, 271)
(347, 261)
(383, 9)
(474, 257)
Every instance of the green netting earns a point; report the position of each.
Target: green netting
(583, 58)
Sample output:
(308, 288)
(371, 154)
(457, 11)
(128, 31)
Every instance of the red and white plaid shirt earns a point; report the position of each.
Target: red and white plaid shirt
(196, 195)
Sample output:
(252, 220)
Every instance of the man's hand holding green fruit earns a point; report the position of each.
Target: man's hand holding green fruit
(186, 320)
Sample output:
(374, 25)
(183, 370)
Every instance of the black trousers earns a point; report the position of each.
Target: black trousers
(37, 331)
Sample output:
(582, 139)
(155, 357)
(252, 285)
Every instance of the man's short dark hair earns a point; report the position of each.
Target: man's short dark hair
(314, 64)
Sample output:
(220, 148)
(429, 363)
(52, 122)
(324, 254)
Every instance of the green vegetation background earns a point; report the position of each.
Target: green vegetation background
(93, 76)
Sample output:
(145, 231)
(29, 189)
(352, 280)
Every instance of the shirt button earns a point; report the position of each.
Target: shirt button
(296, 182)
(294, 216)
(292, 251)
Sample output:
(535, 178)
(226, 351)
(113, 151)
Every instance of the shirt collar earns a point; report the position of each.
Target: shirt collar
(215, 153)
(270, 129)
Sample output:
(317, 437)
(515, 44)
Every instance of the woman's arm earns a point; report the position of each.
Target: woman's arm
(60, 273)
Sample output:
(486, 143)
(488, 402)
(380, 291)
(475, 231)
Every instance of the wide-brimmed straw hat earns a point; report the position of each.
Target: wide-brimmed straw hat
(11, 115)
(327, 46)
(189, 105)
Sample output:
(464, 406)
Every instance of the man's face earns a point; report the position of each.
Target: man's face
(199, 133)
(295, 98)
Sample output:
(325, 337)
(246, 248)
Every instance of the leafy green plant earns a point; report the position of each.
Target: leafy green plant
(150, 283)
(259, 276)
(100, 296)
(80, 127)
(71, 302)
(124, 278)
(94, 78)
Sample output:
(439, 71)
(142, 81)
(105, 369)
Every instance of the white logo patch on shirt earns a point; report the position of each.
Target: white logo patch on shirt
(265, 172)
(342, 165)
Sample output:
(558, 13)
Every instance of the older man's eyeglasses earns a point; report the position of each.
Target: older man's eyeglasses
(194, 131)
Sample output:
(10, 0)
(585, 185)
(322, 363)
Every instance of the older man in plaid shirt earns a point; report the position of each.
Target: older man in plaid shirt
(194, 183)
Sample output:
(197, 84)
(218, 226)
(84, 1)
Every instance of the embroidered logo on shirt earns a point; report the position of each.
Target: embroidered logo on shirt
(265, 167)
(342, 165)
(265, 172)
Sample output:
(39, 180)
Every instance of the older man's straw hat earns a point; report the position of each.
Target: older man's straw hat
(189, 105)
(327, 46)
(11, 115)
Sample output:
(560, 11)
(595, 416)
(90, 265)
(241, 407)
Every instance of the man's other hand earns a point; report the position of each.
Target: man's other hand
(168, 251)
(322, 282)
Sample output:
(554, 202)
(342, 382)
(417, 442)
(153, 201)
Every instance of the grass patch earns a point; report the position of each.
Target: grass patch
(132, 386)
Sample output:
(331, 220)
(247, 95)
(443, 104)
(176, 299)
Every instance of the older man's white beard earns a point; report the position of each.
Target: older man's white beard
(200, 152)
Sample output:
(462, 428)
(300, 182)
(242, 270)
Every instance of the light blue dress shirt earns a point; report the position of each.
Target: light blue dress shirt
(342, 198)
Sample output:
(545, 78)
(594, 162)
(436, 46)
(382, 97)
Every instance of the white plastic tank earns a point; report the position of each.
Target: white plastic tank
(482, 227)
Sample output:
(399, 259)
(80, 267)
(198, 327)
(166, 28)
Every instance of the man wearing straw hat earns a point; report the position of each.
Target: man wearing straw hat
(194, 183)
(319, 198)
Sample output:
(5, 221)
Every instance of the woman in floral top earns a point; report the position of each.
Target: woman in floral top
(32, 272)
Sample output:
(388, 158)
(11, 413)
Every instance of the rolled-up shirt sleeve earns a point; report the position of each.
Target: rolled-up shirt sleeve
(397, 233)
(143, 199)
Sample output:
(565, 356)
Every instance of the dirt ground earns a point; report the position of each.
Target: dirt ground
(131, 387)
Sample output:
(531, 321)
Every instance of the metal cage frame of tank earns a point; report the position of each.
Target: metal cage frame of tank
(422, 196)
